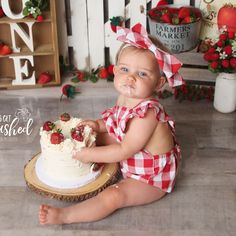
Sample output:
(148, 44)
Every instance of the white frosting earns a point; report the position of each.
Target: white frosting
(56, 163)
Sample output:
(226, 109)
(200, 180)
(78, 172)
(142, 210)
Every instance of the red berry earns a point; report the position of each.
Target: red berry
(220, 43)
(103, 73)
(214, 56)
(233, 62)
(110, 69)
(5, 50)
(187, 20)
(44, 78)
(65, 117)
(231, 35)
(40, 18)
(154, 13)
(113, 28)
(78, 133)
(184, 12)
(57, 137)
(225, 63)
(214, 65)
(166, 18)
(228, 50)
(223, 37)
(162, 2)
(68, 90)
(207, 56)
(48, 126)
(212, 50)
(81, 76)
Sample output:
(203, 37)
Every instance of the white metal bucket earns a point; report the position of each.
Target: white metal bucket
(178, 38)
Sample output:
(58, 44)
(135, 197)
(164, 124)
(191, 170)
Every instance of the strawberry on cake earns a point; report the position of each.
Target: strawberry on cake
(56, 166)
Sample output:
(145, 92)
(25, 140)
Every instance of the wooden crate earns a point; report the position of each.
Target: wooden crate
(45, 54)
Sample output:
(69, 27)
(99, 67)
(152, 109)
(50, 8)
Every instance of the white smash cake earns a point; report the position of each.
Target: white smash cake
(59, 140)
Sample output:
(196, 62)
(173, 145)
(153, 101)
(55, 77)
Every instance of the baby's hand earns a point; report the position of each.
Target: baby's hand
(91, 123)
(81, 155)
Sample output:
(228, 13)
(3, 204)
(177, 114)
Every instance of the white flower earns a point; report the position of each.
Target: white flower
(32, 10)
(218, 49)
(223, 55)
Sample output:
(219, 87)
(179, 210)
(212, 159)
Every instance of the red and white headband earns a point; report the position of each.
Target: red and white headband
(137, 36)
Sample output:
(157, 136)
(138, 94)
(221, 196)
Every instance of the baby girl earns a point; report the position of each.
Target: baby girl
(136, 132)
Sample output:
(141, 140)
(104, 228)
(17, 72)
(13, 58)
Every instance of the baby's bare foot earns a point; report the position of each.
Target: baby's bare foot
(50, 215)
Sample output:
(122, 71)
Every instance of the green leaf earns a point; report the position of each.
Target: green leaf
(28, 4)
(93, 78)
(38, 11)
(43, 4)
(25, 11)
(35, 15)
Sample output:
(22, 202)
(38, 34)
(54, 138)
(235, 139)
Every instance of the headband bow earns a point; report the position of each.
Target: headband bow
(137, 36)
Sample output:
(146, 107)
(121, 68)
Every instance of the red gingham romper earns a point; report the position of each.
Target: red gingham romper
(156, 170)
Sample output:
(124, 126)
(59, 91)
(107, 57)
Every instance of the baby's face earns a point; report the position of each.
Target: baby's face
(137, 73)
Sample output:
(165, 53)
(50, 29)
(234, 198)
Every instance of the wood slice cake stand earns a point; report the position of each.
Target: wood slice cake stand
(110, 175)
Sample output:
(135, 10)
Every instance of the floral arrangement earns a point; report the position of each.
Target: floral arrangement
(34, 8)
(221, 55)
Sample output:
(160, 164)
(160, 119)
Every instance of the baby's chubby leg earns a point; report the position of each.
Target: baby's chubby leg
(126, 193)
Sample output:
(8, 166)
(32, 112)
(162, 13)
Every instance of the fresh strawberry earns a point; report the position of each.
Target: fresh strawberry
(162, 2)
(1, 12)
(103, 73)
(154, 13)
(80, 76)
(187, 20)
(57, 137)
(78, 133)
(68, 90)
(44, 78)
(113, 28)
(184, 12)
(173, 11)
(48, 126)
(116, 21)
(165, 18)
(65, 117)
(5, 50)
(110, 69)
(40, 18)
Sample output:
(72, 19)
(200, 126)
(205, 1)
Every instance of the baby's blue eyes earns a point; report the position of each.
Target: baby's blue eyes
(139, 73)
(142, 74)
(124, 69)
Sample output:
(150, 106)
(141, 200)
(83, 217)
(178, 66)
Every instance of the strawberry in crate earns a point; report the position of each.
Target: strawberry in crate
(175, 15)
(176, 27)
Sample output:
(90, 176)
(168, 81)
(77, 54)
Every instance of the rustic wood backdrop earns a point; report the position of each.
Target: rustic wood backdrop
(87, 41)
